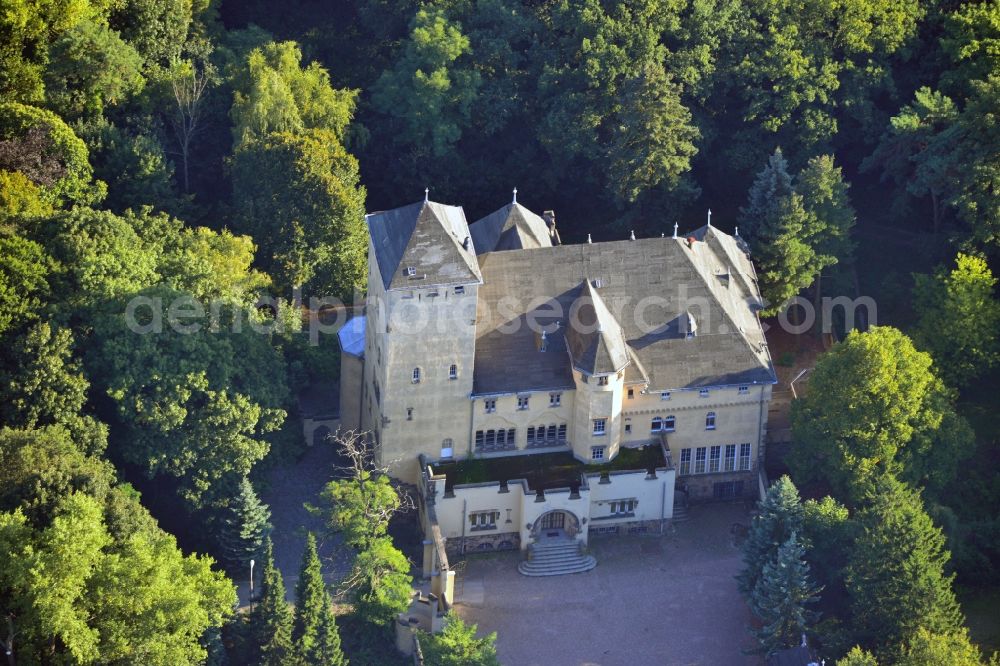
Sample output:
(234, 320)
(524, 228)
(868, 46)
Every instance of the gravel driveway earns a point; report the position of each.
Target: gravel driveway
(651, 600)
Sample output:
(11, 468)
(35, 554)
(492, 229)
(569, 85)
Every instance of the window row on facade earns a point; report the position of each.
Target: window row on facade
(418, 373)
(710, 459)
(503, 439)
(703, 393)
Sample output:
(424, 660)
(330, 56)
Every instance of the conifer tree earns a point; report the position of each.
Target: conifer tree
(315, 630)
(245, 525)
(781, 596)
(779, 516)
(272, 618)
(896, 575)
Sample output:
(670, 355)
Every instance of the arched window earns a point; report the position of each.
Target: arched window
(710, 421)
(668, 423)
(416, 375)
(657, 424)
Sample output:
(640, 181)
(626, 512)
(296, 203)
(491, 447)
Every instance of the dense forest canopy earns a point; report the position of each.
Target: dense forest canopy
(217, 152)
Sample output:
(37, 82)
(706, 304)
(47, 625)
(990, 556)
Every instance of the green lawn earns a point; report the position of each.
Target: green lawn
(546, 470)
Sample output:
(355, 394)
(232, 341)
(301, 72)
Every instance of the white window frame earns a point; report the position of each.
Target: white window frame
(670, 423)
(703, 393)
(729, 464)
(453, 371)
(745, 462)
(700, 459)
(490, 404)
(656, 425)
(602, 380)
(710, 421)
(555, 399)
(744, 390)
(522, 402)
(715, 458)
(685, 466)
(415, 376)
(600, 427)
(664, 395)
(597, 453)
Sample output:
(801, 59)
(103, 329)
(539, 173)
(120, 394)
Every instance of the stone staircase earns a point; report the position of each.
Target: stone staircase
(555, 557)
(680, 513)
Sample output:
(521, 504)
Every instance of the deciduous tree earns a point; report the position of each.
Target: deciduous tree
(457, 645)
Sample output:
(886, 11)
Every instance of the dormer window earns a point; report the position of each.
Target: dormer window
(459, 289)
(411, 271)
(664, 395)
(602, 380)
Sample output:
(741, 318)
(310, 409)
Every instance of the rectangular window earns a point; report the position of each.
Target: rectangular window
(727, 489)
(602, 380)
(561, 436)
(480, 438)
(511, 438)
(416, 375)
(409, 413)
(710, 421)
(631, 393)
(531, 435)
(597, 453)
(459, 289)
(665, 395)
(744, 457)
(628, 428)
(491, 405)
(703, 393)
(685, 462)
(555, 399)
(714, 458)
(453, 371)
(491, 439)
(484, 520)
(622, 507)
(669, 423)
(656, 424)
(550, 433)
(730, 457)
(501, 438)
(699, 460)
(744, 390)
(599, 426)
(522, 402)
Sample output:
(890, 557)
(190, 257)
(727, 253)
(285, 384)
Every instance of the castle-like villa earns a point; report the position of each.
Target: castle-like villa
(539, 393)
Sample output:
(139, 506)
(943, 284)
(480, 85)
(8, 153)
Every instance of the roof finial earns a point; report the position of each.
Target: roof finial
(588, 239)
(709, 217)
(737, 232)
(631, 235)
(427, 194)
(675, 229)
(515, 195)
(662, 235)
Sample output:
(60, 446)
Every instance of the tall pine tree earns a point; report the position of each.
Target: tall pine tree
(781, 596)
(779, 516)
(896, 576)
(272, 618)
(315, 630)
(244, 526)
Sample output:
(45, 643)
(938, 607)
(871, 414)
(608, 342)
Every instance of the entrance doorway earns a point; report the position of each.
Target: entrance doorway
(553, 523)
(556, 524)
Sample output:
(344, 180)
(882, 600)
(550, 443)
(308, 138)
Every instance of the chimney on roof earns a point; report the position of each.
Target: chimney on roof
(550, 221)
(631, 235)
(675, 229)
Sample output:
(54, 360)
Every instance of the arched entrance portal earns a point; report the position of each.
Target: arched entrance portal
(555, 524)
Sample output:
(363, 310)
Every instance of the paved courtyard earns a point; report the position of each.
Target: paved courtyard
(668, 600)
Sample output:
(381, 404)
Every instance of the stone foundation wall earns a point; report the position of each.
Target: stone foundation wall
(701, 488)
(651, 527)
(483, 542)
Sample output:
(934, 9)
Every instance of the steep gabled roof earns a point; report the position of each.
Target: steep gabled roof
(513, 227)
(595, 340)
(427, 237)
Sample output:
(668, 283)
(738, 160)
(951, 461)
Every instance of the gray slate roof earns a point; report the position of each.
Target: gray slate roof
(595, 340)
(427, 237)
(513, 227)
(649, 286)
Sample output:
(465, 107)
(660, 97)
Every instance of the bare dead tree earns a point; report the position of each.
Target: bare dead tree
(189, 88)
